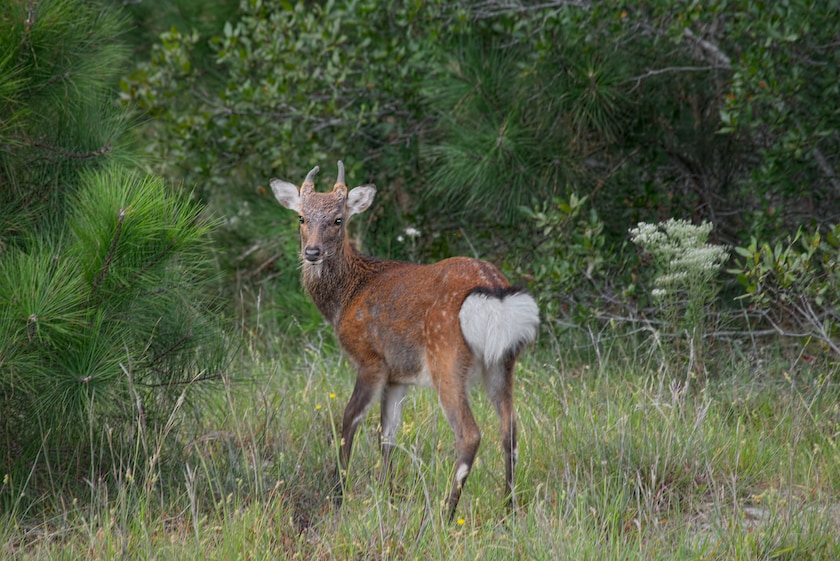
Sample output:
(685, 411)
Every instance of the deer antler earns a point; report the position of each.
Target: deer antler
(339, 182)
(309, 183)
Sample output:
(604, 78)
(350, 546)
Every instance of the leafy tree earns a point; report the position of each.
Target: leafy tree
(106, 277)
(783, 96)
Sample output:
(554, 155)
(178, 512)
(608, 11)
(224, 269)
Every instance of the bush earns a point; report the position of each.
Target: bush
(685, 269)
(795, 283)
(566, 264)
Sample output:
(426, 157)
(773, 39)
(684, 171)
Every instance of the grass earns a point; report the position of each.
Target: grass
(618, 460)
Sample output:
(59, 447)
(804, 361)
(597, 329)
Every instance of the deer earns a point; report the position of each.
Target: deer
(442, 325)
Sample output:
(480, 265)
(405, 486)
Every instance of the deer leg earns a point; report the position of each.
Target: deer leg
(393, 397)
(364, 393)
(499, 382)
(456, 408)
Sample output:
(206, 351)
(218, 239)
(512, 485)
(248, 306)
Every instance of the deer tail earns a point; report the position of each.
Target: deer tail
(497, 323)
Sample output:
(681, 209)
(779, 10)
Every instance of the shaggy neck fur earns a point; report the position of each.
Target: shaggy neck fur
(332, 283)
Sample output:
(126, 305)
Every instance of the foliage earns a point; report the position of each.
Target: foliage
(564, 264)
(150, 18)
(509, 105)
(795, 283)
(519, 106)
(57, 65)
(107, 307)
(463, 113)
(666, 108)
(784, 78)
(717, 108)
(107, 318)
(276, 99)
(538, 100)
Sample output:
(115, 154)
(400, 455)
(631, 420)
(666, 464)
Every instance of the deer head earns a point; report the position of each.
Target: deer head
(323, 216)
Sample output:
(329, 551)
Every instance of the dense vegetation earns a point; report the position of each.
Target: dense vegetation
(662, 175)
(536, 137)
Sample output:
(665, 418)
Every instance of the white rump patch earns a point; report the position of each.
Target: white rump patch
(493, 326)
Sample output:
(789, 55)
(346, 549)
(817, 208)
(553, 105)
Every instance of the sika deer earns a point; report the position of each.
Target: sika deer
(402, 324)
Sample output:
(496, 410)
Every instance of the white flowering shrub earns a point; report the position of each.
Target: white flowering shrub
(685, 270)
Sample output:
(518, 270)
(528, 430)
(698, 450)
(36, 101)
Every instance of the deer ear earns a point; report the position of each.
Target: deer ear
(286, 194)
(360, 198)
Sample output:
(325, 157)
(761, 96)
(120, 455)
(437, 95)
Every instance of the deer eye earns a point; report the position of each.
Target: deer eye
(338, 221)
(300, 219)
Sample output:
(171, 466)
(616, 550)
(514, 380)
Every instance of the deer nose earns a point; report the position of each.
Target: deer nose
(312, 253)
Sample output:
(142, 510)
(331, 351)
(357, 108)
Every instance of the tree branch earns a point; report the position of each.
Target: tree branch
(718, 57)
(492, 8)
(826, 168)
(74, 155)
(669, 69)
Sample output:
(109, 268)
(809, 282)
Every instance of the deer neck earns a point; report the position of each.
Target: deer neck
(332, 283)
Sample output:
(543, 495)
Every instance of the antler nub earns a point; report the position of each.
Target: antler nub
(309, 182)
(339, 182)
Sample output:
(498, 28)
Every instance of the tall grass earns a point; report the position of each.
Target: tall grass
(618, 460)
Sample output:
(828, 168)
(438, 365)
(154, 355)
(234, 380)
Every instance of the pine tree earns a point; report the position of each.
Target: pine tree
(106, 301)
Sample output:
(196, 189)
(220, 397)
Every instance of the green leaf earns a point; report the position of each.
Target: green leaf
(743, 251)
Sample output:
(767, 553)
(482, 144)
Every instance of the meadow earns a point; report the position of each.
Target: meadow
(621, 457)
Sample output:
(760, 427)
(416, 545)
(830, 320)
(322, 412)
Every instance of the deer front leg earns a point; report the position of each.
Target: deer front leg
(366, 390)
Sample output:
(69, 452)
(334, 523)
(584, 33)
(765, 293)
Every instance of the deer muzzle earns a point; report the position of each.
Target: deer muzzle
(312, 254)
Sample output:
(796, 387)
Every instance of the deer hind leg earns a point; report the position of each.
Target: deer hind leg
(467, 440)
(453, 396)
(367, 389)
(498, 379)
(393, 397)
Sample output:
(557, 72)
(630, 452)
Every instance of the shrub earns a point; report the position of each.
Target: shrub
(795, 283)
(685, 269)
(566, 262)
(107, 306)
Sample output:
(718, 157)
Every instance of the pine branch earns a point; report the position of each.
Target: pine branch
(73, 155)
(111, 250)
(172, 348)
(101, 151)
(826, 168)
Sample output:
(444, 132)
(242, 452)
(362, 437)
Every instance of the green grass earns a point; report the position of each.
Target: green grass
(618, 460)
